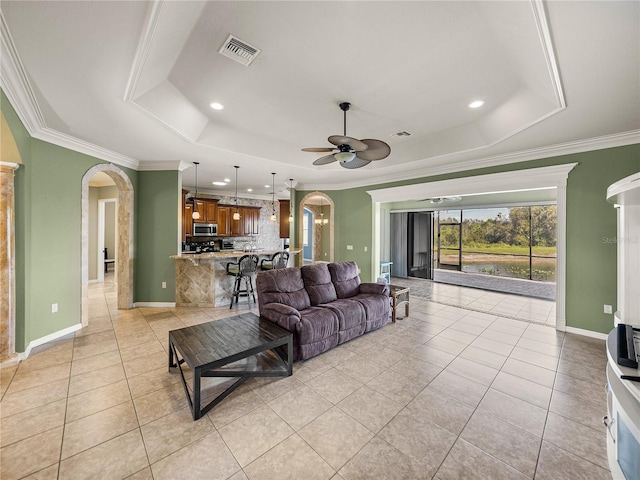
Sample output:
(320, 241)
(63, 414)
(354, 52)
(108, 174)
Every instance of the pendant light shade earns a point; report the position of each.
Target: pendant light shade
(236, 214)
(273, 198)
(196, 214)
(291, 185)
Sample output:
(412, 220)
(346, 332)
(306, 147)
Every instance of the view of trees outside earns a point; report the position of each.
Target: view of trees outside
(514, 242)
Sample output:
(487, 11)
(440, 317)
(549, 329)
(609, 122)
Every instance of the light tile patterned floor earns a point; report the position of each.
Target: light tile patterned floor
(520, 307)
(446, 393)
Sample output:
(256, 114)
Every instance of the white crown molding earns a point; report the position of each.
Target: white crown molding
(529, 179)
(542, 25)
(15, 84)
(155, 165)
(569, 148)
(144, 46)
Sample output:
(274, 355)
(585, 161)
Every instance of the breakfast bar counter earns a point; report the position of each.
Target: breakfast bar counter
(202, 280)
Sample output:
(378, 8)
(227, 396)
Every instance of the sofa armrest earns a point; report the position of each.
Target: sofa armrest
(284, 315)
(375, 288)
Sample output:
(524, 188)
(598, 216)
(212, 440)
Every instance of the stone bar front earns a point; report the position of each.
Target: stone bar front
(202, 280)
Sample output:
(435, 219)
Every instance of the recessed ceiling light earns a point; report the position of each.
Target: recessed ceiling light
(249, 189)
(267, 186)
(476, 104)
(216, 106)
(219, 184)
(227, 180)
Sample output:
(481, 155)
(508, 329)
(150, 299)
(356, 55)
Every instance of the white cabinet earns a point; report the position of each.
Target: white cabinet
(625, 195)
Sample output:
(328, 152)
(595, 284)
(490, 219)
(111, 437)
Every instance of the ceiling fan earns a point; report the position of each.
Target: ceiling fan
(351, 152)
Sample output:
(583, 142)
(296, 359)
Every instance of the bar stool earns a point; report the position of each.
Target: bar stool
(243, 271)
(385, 271)
(278, 260)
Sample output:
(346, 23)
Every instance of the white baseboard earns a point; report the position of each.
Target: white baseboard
(154, 304)
(94, 281)
(586, 333)
(48, 338)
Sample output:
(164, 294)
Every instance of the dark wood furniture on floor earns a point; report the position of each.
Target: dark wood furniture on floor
(107, 260)
(242, 346)
(398, 296)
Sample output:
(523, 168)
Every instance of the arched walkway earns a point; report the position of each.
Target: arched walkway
(329, 201)
(124, 257)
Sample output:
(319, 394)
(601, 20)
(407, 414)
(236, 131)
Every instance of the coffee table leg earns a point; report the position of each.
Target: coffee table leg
(406, 309)
(196, 394)
(393, 309)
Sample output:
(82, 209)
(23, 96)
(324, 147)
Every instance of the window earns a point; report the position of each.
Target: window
(305, 230)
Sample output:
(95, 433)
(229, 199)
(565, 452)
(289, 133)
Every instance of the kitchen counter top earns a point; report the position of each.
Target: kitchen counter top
(225, 254)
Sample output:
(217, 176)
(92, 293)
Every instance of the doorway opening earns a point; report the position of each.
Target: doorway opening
(123, 249)
(319, 209)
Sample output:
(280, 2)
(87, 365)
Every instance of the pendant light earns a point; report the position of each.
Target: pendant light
(196, 214)
(291, 186)
(321, 221)
(273, 197)
(236, 215)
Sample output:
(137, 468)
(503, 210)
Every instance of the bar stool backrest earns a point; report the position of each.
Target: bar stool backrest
(280, 260)
(248, 264)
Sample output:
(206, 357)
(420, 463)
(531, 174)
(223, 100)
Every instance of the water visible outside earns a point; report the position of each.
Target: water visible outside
(515, 242)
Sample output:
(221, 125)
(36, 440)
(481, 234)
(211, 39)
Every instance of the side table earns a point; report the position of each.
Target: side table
(398, 296)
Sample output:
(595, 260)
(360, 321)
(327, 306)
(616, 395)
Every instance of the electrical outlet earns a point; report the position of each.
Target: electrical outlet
(54, 308)
(365, 249)
(164, 284)
(349, 247)
(607, 309)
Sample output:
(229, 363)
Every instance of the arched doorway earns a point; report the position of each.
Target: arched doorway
(317, 202)
(124, 256)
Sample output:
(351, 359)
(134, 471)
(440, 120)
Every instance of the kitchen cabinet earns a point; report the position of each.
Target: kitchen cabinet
(250, 221)
(187, 221)
(210, 212)
(285, 206)
(224, 220)
(206, 209)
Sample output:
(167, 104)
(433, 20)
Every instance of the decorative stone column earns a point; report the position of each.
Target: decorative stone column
(7, 266)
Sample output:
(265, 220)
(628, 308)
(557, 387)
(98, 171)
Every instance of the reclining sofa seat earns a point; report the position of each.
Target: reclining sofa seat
(323, 305)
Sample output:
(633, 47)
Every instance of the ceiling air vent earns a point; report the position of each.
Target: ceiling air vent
(403, 133)
(239, 51)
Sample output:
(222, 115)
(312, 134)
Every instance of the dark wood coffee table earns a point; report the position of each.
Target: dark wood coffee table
(243, 346)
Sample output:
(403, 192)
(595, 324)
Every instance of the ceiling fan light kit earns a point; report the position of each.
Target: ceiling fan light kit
(351, 152)
(236, 214)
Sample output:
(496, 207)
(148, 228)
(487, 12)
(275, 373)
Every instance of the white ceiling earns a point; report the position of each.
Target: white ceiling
(131, 82)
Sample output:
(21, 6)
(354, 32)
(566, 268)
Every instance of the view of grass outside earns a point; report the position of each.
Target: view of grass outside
(515, 242)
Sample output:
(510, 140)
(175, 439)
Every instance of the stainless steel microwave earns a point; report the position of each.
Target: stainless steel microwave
(205, 229)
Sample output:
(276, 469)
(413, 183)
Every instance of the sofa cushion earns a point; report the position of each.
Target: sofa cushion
(317, 282)
(350, 312)
(316, 324)
(375, 306)
(282, 285)
(344, 276)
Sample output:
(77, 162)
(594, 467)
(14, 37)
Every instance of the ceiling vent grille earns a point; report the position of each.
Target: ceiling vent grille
(403, 133)
(237, 50)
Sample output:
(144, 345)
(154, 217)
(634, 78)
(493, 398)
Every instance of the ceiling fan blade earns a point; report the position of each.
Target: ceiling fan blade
(377, 150)
(357, 162)
(318, 149)
(325, 160)
(354, 143)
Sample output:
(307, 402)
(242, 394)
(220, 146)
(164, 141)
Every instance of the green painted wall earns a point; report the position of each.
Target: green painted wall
(591, 260)
(157, 218)
(48, 233)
